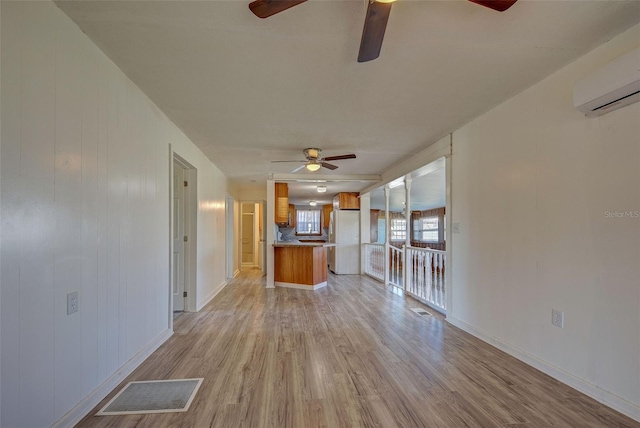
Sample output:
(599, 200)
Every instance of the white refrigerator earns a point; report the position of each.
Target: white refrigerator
(344, 230)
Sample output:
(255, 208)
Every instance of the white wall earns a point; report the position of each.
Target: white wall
(249, 193)
(85, 207)
(532, 181)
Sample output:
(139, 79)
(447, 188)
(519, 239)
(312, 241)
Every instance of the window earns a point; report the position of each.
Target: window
(398, 229)
(425, 229)
(308, 222)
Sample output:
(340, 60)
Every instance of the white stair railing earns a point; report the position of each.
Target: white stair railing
(374, 261)
(395, 266)
(425, 276)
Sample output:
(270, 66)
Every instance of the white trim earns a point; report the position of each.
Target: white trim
(191, 230)
(142, 412)
(605, 397)
(300, 286)
(270, 225)
(448, 239)
(80, 410)
(211, 295)
(229, 236)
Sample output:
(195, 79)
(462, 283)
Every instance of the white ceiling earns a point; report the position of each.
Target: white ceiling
(248, 91)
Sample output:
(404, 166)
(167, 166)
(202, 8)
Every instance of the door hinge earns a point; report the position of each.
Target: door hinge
(184, 294)
(186, 183)
(185, 239)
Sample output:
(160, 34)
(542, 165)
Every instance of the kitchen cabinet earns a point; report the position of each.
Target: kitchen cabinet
(300, 265)
(282, 203)
(292, 215)
(326, 215)
(346, 201)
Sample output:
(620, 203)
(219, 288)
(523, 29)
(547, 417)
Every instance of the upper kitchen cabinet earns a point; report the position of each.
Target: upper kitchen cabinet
(282, 204)
(292, 216)
(326, 215)
(346, 201)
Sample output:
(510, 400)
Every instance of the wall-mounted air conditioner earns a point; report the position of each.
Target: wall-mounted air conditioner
(611, 87)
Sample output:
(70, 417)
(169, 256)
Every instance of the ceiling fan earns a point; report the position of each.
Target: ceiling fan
(375, 22)
(314, 162)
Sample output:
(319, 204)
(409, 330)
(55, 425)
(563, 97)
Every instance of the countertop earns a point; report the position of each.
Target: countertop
(303, 244)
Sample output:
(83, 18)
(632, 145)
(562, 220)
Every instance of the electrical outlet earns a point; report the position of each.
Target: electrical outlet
(72, 302)
(557, 318)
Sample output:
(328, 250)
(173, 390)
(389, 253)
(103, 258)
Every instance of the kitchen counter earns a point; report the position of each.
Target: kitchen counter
(301, 264)
(303, 244)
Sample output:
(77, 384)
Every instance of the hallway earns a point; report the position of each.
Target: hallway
(351, 354)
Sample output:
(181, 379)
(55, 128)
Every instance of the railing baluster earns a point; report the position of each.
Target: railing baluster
(424, 267)
(425, 275)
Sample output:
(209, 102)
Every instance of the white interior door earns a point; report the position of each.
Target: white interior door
(178, 236)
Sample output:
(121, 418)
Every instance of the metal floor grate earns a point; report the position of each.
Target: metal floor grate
(420, 311)
(154, 396)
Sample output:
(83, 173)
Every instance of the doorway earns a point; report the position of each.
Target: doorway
(252, 235)
(248, 234)
(183, 235)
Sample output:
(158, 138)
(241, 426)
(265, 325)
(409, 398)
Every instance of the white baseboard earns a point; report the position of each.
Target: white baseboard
(211, 295)
(605, 397)
(300, 286)
(75, 415)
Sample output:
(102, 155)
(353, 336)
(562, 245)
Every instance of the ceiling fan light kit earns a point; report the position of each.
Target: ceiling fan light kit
(375, 22)
(313, 166)
(314, 162)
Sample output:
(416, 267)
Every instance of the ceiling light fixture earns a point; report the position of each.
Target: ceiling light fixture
(313, 165)
(313, 203)
(321, 189)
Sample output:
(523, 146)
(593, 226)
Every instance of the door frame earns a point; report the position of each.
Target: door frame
(230, 236)
(191, 231)
(259, 255)
(254, 256)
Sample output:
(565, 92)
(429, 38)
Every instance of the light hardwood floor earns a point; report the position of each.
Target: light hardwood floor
(348, 355)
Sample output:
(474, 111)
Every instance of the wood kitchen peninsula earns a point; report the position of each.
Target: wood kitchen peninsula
(301, 264)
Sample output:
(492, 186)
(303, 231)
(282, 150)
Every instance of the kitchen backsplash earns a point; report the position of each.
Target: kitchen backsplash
(288, 234)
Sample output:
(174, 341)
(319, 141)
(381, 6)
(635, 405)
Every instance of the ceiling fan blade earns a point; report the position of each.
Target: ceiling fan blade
(328, 165)
(297, 169)
(266, 8)
(373, 32)
(332, 158)
(499, 5)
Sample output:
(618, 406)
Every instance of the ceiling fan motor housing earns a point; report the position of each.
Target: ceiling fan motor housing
(312, 153)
